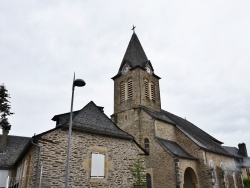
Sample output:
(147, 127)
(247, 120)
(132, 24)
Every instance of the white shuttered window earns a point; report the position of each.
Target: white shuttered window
(98, 166)
(3, 177)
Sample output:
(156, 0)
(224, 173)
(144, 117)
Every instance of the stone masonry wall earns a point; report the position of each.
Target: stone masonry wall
(26, 169)
(118, 157)
(129, 122)
(137, 75)
(159, 163)
(187, 163)
(159, 160)
(204, 171)
(165, 130)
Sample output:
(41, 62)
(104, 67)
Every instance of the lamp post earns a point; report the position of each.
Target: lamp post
(78, 83)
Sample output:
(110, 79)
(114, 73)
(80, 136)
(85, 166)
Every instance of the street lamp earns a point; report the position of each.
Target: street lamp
(78, 83)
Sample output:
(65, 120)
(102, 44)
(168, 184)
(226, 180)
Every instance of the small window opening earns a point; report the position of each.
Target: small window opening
(146, 142)
(148, 180)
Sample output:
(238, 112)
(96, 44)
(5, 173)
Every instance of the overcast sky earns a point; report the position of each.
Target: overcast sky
(199, 48)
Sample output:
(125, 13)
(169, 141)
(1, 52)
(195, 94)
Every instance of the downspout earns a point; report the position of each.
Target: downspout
(38, 160)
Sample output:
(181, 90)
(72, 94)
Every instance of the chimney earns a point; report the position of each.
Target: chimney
(4, 139)
(243, 149)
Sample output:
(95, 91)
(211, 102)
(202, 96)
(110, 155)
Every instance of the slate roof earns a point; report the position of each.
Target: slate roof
(235, 152)
(175, 148)
(91, 119)
(14, 147)
(135, 54)
(197, 135)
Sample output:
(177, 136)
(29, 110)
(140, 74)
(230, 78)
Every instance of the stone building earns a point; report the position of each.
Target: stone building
(180, 153)
(101, 154)
(177, 153)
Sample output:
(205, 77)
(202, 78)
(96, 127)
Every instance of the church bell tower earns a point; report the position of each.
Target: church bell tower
(135, 84)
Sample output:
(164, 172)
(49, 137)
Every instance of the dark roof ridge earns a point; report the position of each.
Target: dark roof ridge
(197, 135)
(214, 139)
(151, 113)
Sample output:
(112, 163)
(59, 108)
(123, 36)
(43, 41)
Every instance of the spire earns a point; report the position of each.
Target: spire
(134, 54)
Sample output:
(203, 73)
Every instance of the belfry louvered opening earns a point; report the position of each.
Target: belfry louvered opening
(130, 89)
(149, 89)
(126, 89)
(152, 91)
(123, 91)
(146, 88)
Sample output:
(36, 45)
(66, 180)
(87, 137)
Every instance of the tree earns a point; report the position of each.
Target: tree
(4, 108)
(246, 182)
(138, 171)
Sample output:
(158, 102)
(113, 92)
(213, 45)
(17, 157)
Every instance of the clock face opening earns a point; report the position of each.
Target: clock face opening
(148, 70)
(125, 69)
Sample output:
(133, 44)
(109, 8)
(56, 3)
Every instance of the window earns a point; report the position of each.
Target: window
(146, 88)
(234, 178)
(123, 91)
(126, 89)
(152, 91)
(130, 89)
(149, 89)
(146, 142)
(24, 168)
(3, 177)
(213, 173)
(97, 165)
(224, 174)
(148, 180)
(19, 172)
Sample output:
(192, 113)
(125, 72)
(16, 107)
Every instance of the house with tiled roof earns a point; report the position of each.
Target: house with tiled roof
(101, 153)
(176, 152)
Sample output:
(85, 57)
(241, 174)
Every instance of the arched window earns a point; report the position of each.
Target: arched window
(148, 180)
(213, 172)
(235, 182)
(146, 142)
(224, 174)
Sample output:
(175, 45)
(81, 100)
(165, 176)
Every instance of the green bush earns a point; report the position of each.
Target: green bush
(246, 182)
(138, 171)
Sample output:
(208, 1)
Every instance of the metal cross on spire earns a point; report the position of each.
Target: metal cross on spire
(133, 28)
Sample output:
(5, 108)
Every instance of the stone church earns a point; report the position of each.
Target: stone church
(180, 153)
(176, 153)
